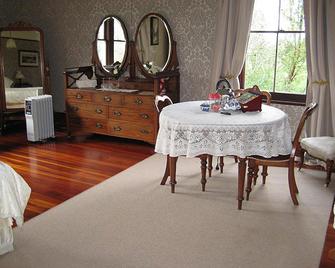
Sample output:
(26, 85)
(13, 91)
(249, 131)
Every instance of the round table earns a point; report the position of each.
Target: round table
(185, 130)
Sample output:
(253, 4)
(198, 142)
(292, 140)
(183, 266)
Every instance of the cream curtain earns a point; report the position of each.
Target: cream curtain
(232, 33)
(320, 49)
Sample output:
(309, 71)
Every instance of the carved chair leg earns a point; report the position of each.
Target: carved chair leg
(329, 167)
(172, 165)
(251, 172)
(292, 184)
(221, 164)
(167, 170)
(210, 165)
(302, 158)
(264, 173)
(203, 160)
(256, 169)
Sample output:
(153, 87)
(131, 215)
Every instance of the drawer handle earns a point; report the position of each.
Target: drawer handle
(144, 131)
(98, 111)
(138, 101)
(145, 116)
(107, 99)
(79, 96)
(98, 125)
(117, 128)
(117, 113)
(74, 108)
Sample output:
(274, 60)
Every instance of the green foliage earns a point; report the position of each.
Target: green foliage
(290, 66)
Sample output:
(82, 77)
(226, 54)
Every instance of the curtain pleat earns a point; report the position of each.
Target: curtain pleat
(232, 33)
(320, 43)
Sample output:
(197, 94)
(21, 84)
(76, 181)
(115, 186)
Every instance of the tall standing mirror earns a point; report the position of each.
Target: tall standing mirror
(111, 46)
(22, 72)
(153, 43)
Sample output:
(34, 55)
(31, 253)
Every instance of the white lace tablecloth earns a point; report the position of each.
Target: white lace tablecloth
(186, 130)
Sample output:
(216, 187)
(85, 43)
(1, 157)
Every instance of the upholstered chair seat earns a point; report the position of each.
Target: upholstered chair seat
(322, 148)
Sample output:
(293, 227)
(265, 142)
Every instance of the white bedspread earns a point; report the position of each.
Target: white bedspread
(14, 195)
(17, 95)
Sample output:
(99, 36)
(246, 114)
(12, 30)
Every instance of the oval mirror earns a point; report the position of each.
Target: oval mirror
(111, 45)
(153, 43)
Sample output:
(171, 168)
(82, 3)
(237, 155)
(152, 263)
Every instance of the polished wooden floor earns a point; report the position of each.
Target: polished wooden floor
(328, 254)
(62, 168)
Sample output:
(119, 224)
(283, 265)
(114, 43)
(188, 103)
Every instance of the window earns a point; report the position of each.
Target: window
(111, 43)
(276, 54)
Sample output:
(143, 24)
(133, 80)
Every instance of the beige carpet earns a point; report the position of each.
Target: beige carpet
(132, 221)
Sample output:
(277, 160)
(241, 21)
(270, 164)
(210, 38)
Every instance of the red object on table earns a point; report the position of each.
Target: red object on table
(216, 107)
(250, 102)
(214, 96)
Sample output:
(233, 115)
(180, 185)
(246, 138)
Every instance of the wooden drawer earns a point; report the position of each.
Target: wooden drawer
(90, 125)
(87, 110)
(131, 130)
(125, 114)
(138, 101)
(78, 95)
(105, 97)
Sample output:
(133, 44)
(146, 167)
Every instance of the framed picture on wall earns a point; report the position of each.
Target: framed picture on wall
(28, 58)
(154, 31)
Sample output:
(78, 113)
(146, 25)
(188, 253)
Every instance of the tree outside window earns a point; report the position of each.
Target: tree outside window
(276, 54)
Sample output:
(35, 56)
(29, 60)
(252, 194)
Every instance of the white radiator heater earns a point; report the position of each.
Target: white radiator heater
(39, 118)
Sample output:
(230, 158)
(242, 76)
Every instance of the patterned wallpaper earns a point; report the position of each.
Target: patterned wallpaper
(70, 26)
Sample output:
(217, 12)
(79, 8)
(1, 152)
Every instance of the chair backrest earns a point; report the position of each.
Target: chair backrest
(222, 84)
(308, 111)
(256, 89)
(161, 102)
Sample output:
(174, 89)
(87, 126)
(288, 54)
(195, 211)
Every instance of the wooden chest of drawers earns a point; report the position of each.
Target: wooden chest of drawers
(128, 115)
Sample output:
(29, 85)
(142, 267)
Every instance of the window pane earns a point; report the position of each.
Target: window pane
(101, 47)
(119, 50)
(292, 15)
(265, 15)
(260, 61)
(101, 32)
(118, 31)
(291, 64)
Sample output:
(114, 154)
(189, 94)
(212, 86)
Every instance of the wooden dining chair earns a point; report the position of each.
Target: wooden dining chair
(220, 163)
(160, 103)
(281, 160)
(322, 148)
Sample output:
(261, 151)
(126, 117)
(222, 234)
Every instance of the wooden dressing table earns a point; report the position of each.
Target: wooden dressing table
(152, 70)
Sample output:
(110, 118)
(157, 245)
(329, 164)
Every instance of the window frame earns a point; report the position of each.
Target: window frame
(278, 97)
(109, 38)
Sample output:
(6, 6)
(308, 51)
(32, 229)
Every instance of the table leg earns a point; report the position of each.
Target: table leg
(203, 159)
(241, 180)
(172, 163)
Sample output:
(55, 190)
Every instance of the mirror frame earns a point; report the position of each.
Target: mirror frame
(96, 61)
(22, 26)
(168, 62)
